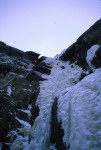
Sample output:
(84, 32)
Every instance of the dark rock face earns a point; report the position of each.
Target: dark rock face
(8, 122)
(19, 88)
(43, 68)
(10, 51)
(77, 52)
(31, 56)
(57, 132)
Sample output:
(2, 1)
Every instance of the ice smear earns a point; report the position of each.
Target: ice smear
(26, 127)
(21, 142)
(91, 54)
(9, 90)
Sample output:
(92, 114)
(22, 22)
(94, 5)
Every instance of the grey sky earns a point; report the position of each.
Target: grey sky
(46, 26)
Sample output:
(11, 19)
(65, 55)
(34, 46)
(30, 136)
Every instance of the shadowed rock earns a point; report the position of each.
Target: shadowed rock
(10, 51)
(43, 68)
(4, 67)
(96, 61)
(56, 130)
(77, 52)
(31, 56)
(19, 88)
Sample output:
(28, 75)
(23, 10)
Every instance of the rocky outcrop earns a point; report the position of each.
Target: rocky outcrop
(77, 52)
(10, 51)
(19, 88)
(31, 56)
(43, 68)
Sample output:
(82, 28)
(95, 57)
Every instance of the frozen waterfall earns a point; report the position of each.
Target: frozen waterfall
(79, 109)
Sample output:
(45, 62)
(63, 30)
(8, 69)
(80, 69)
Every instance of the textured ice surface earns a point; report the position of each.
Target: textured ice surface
(80, 112)
(59, 80)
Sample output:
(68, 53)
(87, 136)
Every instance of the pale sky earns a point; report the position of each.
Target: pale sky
(46, 26)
